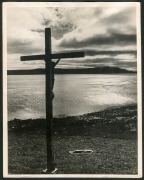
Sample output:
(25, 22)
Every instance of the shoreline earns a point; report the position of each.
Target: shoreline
(125, 116)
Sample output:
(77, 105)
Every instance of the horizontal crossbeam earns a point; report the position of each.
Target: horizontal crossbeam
(54, 56)
(68, 55)
(32, 57)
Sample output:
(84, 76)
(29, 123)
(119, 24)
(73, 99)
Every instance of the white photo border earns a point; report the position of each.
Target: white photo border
(139, 87)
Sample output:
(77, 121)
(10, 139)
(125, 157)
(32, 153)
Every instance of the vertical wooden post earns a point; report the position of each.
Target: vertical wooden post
(49, 107)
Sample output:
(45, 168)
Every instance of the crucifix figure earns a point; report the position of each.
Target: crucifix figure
(49, 66)
(53, 79)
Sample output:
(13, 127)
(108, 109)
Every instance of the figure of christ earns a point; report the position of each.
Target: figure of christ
(52, 73)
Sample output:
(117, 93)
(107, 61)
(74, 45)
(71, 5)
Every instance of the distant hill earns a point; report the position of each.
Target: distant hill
(96, 70)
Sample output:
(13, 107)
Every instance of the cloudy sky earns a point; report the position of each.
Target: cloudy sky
(107, 34)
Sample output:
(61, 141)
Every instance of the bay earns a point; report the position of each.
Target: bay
(75, 94)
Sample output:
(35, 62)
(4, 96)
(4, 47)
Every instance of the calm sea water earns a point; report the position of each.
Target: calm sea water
(74, 94)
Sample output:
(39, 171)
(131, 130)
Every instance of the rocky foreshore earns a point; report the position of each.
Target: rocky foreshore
(112, 119)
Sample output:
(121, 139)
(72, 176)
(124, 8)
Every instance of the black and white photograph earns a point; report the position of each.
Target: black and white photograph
(72, 100)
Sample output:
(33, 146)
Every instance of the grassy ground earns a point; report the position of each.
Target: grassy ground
(111, 134)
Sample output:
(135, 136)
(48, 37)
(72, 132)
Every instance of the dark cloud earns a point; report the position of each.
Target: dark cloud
(98, 60)
(38, 30)
(112, 53)
(89, 61)
(112, 39)
(58, 13)
(46, 21)
(58, 30)
(61, 26)
(22, 47)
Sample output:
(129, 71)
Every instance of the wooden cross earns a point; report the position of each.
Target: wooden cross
(48, 56)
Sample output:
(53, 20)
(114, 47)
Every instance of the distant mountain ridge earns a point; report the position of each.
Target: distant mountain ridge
(96, 70)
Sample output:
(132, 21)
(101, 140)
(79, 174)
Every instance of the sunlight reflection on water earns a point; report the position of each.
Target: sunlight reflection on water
(74, 94)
